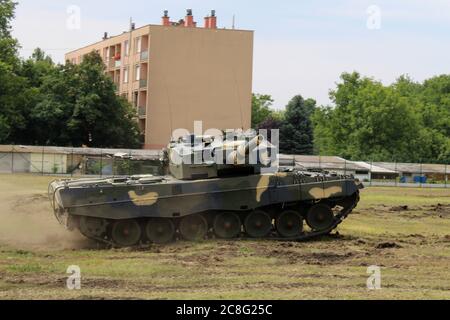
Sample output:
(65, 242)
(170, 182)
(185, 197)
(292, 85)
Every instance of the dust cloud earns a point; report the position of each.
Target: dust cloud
(27, 222)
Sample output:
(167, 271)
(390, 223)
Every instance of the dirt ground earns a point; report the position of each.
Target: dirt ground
(404, 231)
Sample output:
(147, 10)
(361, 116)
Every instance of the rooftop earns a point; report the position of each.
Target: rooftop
(187, 22)
(139, 154)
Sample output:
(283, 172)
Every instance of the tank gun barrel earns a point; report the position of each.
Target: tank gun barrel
(244, 150)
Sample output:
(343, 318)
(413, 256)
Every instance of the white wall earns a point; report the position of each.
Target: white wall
(21, 162)
(49, 163)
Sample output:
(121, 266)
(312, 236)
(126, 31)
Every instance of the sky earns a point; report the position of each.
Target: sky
(301, 47)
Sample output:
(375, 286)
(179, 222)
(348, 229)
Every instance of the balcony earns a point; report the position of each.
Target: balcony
(143, 84)
(114, 64)
(144, 55)
(142, 111)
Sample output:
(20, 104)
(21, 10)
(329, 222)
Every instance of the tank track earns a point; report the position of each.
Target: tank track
(339, 217)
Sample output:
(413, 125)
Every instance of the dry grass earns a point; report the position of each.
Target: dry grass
(35, 253)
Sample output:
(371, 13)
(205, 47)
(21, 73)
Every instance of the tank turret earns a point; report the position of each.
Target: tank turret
(243, 151)
(202, 157)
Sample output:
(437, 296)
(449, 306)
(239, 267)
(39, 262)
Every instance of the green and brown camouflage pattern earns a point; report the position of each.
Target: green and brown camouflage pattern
(140, 196)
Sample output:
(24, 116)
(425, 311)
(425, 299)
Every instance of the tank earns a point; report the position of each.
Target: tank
(214, 188)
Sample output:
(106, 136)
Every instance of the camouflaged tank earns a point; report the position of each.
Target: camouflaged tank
(223, 189)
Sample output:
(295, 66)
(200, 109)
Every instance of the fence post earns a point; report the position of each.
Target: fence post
(395, 177)
(12, 159)
(421, 174)
(101, 163)
(42, 165)
(72, 169)
(129, 165)
(370, 177)
(113, 166)
(445, 175)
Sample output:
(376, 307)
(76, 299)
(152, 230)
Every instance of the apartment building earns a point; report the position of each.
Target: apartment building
(177, 73)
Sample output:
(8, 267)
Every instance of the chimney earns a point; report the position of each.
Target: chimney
(189, 21)
(207, 18)
(166, 19)
(105, 36)
(213, 20)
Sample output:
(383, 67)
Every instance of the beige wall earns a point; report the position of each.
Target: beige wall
(193, 74)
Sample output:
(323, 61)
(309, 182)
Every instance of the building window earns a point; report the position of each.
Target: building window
(406, 174)
(138, 44)
(138, 73)
(126, 48)
(125, 75)
(117, 79)
(135, 98)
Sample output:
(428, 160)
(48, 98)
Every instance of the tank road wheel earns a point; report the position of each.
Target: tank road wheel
(93, 227)
(193, 227)
(126, 233)
(227, 225)
(160, 230)
(289, 224)
(320, 217)
(258, 224)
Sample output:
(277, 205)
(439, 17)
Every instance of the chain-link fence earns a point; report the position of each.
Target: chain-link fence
(373, 173)
(79, 161)
(62, 161)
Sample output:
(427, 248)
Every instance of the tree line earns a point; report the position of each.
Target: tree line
(406, 121)
(42, 103)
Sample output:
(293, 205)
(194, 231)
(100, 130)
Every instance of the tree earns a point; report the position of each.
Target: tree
(273, 122)
(37, 67)
(12, 85)
(434, 101)
(371, 121)
(8, 45)
(80, 106)
(41, 103)
(296, 132)
(261, 111)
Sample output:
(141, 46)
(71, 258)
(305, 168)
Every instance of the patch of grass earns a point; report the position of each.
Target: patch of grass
(334, 267)
(245, 250)
(403, 196)
(31, 267)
